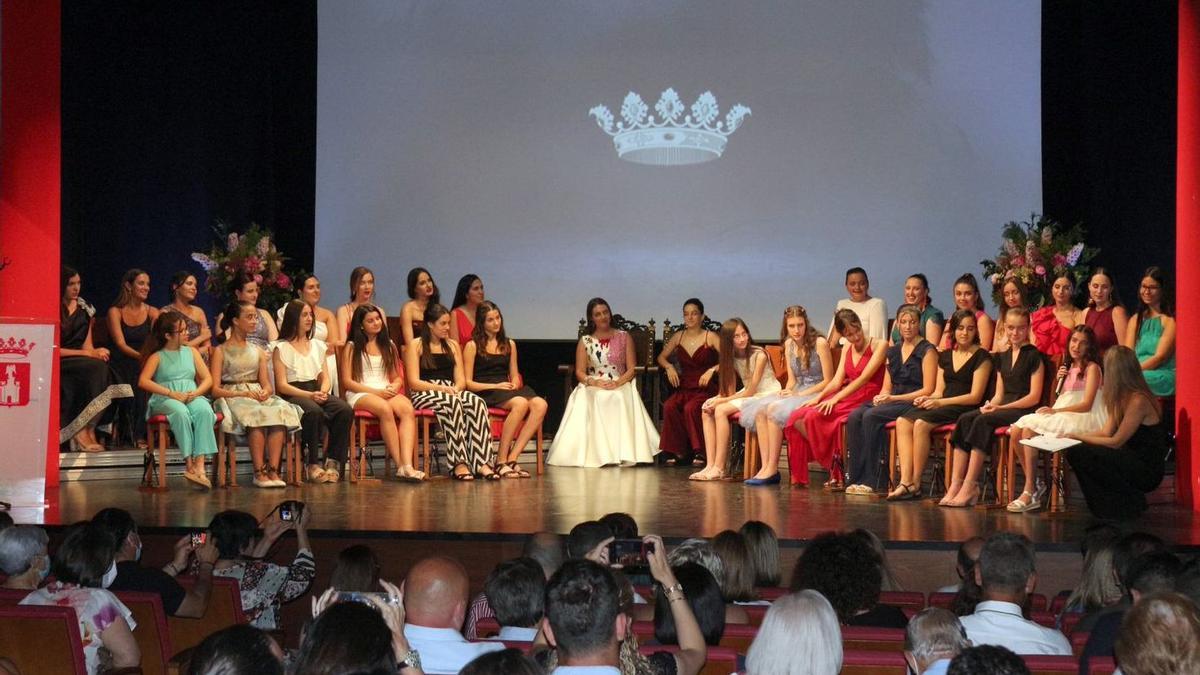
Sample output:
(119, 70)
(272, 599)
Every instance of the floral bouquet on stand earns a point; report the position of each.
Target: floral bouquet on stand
(1037, 252)
(253, 252)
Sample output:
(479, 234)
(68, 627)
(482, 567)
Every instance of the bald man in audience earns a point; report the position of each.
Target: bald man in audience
(435, 603)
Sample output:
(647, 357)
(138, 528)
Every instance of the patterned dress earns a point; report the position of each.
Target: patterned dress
(463, 417)
(96, 609)
(239, 372)
(265, 586)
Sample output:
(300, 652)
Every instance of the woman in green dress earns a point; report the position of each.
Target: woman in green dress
(1151, 333)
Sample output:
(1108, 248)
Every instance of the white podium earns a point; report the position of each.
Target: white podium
(26, 368)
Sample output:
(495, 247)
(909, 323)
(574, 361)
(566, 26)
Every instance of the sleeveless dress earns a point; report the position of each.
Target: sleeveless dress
(1101, 323)
(1070, 422)
(955, 383)
(682, 428)
(193, 326)
(463, 416)
(191, 423)
(129, 370)
(373, 376)
(1052, 336)
(930, 313)
(975, 429)
(824, 440)
(239, 372)
(781, 407)
(465, 328)
(87, 386)
(948, 337)
(1162, 378)
(603, 427)
(493, 369)
(1115, 480)
(768, 384)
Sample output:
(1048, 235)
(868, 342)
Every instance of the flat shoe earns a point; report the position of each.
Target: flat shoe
(197, 479)
(414, 477)
(315, 474)
(773, 479)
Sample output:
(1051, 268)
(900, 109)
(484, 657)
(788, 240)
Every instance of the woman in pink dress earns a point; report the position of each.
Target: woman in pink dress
(812, 430)
(689, 360)
(1050, 327)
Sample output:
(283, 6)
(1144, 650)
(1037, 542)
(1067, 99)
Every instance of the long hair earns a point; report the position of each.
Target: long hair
(356, 276)
(764, 548)
(1091, 354)
(587, 315)
(289, 328)
(1022, 292)
(299, 281)
(238, 282)
(65, 277)
(165, 323)
(808, 342)
(1070, 280)
(1123, 380)
(460, 293)
(413, 276)
(1166, 304)
(1114, 298)
(178, 279)
(125, 295)
(726, 371)
(479, 334)
(956, 319)
(1098, 583)
(358, 342)
(432, 313)
(970, 280)
(232, 310)
(800, 635)
(920, 276)
(845, 318)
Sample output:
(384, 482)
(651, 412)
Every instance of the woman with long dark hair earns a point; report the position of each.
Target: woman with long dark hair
(1151, 334)
(967, 296)
(1012, 294)
(1050, 327)
(689, 360)
(423, 293)
(467, 298)
(325, 324)
(1104, 313)
(244, 288)
(184, 289)
(129, 321)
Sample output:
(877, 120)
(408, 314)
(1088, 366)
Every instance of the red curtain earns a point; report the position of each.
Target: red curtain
(1187, 227)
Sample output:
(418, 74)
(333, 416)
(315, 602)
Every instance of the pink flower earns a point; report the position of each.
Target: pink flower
(1040, 270)
(995, 278)
(252, 264)
(283, 281)
(1018, 261)
(258, 279)
(1059, 260)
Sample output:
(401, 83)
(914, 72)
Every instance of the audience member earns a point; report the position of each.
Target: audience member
(133, 576)
(583, 619)
(964, 564)
(504, 662)
(264, 585)
(1160, 636)
(516, 591)
(933, 637)
(737, 584)
(844, 569)
(703, 595)
(1188, 580)
(23, 557)
(586, 537)
(357, 638)
(357, 569)
(1007, 574)
(1154, 572)
(622, 525)
(1125, 551)
(889, 580)
(435, 605)
(701, 551)
(1098, 587)
(799, 636)
(237, 650)
(987, 660)
(764, 549)
(546, 548)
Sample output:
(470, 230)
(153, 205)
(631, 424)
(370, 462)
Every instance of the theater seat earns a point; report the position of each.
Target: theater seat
(867, 662)
(42, 639)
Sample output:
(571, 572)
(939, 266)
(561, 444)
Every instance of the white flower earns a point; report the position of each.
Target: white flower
(263, 246)
(206, 262)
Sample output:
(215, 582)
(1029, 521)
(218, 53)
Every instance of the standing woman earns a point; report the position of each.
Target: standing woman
(373, 380)
(177, 380)
(244, 288)
(87, 385)
(423, 294)
(966, 296)
(605, 421)
(810, 368)
(325, 324)
(814, 430)
(872, 312)
(129, 321)
(689, 360)
(911, 373)
(963, 373)
(1050, 327)
(490, 360)
(741, 360)
(434, 366)
(1018, 390)
(467, 297)
(1104, 313)
(916, 293)
(362, 292)
(243, 392)
(1119, 464)
(1014, 294)
(1151, 334)
(183, 301)
(302, 377)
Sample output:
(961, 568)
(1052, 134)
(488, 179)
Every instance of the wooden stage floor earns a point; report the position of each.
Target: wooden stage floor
(661, 499)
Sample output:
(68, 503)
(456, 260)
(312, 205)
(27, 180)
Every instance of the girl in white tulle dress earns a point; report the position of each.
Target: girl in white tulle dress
(1079, 409)
(605, 422)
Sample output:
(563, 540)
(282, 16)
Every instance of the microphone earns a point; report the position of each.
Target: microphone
(1066, 364)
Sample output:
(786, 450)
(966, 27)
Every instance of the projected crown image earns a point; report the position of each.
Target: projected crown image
(667, 140)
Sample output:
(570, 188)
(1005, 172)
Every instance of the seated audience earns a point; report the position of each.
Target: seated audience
(83, 569)
(890, 582)
(1125, 550)
(356, 569)
(1151, 333)
(622, 525)
(546, 548)
(435, 605)
(23, 557)
(703, 595)
(352, 637)
(133, 576)
(1148, 574)
(933, 637)
(737, 582)
(689, 360)
(510, 661)
(1007, 574)
(799, 636)
(701, 551)
(1050, 327)
(586, 537)
(964, 563)
(264, 585)
(237, 650)
(516, 592)
(1160, 636)
(1104, 313)
(967, 296)
(846, 571)
(1098, 588)
(872, 311)
(987, 660)
(764, 551)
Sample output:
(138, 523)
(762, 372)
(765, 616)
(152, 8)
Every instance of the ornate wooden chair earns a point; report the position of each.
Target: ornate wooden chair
(643, 343)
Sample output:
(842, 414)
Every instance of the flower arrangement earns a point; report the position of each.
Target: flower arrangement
(1037, 251)
(253, 252)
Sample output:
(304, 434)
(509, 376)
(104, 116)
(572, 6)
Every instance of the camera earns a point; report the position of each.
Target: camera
(629, 554)
(198, 539)
(368, 599)
(290, 510)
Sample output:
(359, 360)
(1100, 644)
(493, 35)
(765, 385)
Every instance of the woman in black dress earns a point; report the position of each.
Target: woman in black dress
(129, 321)
(491, 364)
(87, 385)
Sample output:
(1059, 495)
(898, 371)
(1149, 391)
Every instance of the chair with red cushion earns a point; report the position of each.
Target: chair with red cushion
(158, 430)
(499, 415)
(866, 638)
(1041, 664)
(772, 593)
(903, 599)
(873, 662)
(366, 428)
(1078, 642)
(738, 636)
(487, 627)
(943, 600)
(152, 635)
(42, 639)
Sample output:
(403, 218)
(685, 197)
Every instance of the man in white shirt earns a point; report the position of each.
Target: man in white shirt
(933, 637)
(583, 619)
(1007, 575)
(516, 591)
(435, 603)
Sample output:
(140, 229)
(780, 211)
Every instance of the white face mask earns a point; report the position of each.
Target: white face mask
(45, 571)
(109, 576)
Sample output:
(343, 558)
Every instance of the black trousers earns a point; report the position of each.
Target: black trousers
(334, 415)
(1115, 480)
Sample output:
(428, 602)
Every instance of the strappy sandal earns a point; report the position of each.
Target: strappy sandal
(411, 476)
(464, 476)
(1019, 505)
(834, 485)
(520, 473)
(492, 475)
(505, 471)
(907, 493)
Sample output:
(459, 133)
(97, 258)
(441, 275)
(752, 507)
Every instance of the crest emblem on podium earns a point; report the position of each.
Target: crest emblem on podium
(14, 372)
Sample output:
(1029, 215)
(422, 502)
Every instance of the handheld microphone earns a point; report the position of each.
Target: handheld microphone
(1062, 380)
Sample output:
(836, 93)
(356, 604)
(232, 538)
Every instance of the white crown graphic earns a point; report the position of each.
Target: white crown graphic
(669, 141)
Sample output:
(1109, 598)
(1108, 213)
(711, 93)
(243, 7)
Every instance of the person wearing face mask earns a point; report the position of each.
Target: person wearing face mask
(23, 557)
(84, 568)
(133, 576)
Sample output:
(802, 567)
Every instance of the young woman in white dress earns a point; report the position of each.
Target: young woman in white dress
(605, 421)
(325, 323)
(872, 312)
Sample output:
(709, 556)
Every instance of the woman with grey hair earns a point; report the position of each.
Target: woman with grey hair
(23, 556)
(799, 636)
(933, 637)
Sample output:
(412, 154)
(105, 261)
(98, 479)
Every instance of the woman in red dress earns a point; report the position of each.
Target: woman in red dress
(812, 430)
(467, 298)
(1104, 313)
(1050, 327)
(689, 360)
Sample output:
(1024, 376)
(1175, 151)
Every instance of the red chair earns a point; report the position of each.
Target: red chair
(360, 437)
(738, 636)
(756, 613)
(1059, 603)
(903, 599)
(293, 464)
(224, 610)
(487, 627)
(12, 596)
(718, 661)
(499, 415)
(42, 639)
(772, 593)
(943, 600)
(152, 636)
(1038, 602)
(158, 429)
(1040, 664)
(1100, 665)
(865, 638)
(1078, 642)
(1069, 621)
(873, 662)
(1043, 617)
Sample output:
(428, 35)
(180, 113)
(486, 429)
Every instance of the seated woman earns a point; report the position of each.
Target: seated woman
(1078, 408)
(813, 431)
(467, 298)
(244, 288)
(129, 321)
(911, 373)
(844, 568)
(1050, 327)
(689, 360)
(83, 567)
(780, 648)
(490, 362)
(434, 366)
(1013, 294)
(264, 585)
(423, 294)
(362, 292)
(966, 296)
(1151, 334)
(764, 551)
(24, 558)
(605, 422)
(1104, 313)
(87, 385)
(177, 380)
(1119, 464)
(244, 394)
(302, 377)
(1018, 390)
(325, 324)
(810, 368)
(916, 293)
(703, 595)
(737, 567)
(963, 373)
(872, 312)
(738, 359)
(184, 289)
(373, 380)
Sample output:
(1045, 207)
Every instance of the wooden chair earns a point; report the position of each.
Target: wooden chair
(1004, 456)
(903, 599)
(42, 639)
(753, 460)
(718, 661)
(1042, 664)
(873, 662)
(642, 336)
(152, 635)
(360, 452)
(865, 638)
(499, 415)
(226, 464)
(158, 430)
(224, 610)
